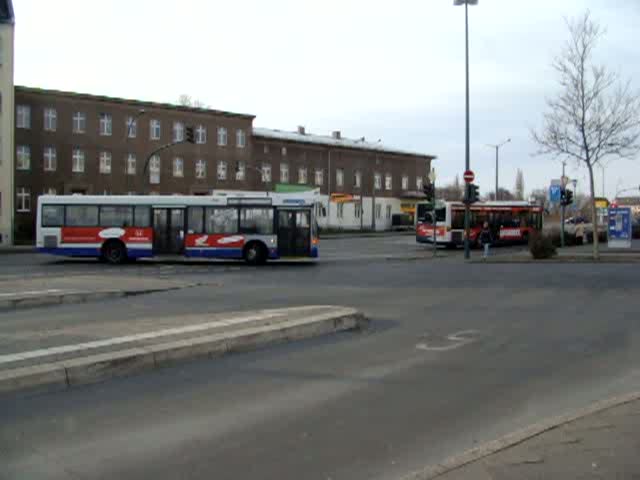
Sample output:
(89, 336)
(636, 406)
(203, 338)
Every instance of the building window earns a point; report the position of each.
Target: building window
(23, 196)
(105, 162)
(302, 175)
(222, 136)
(50, 119)
(23, 157)
(388, 181)
(154, 129)
(241, 139)
(154, 170)
(105, 124)
(131, 164)
(77, 161)
(201, 169)
(23, 116)
(377, 181)
(266, 173)
(357, 210)
(419, 183)
(201, 134)
(240, 171)
(405, 182)
(79, 122)
(388, 212)
(266, 149)
(132, 127)
(340, 210)
(319, 176)
(284, 173)
(357, 179)
(178, 131)
(178, 167)
(378, 211)
(222, 170)
(50, 159)
(284, 151)
(339, 177)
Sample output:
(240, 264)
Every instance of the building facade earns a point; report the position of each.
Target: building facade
(6, 123)
(69, 143)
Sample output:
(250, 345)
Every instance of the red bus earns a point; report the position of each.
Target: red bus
(510, 222)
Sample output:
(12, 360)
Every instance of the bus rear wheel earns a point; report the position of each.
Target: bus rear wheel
(114, 252)
(255, 253)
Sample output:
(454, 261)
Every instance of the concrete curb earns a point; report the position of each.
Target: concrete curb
(365, 235)
(21, 249)
(95, 368)
(558, 259)
(79, 297)
(517, 437)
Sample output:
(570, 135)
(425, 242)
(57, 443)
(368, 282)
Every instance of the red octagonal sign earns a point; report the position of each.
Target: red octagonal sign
(468, 176)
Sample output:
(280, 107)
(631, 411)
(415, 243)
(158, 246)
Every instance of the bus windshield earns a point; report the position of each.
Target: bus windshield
(425, 213)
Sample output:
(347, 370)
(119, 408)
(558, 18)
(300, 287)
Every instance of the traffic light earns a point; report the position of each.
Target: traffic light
(566, 197)
(472, 194)
(429, 191)
(189, 135)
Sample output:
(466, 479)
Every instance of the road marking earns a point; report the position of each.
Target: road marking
(31, 292)
(132, 338)
(458, 339)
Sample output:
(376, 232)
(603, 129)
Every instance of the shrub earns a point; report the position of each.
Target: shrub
(541, 246)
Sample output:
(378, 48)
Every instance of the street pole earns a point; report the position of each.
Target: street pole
(497, 150)
(432, 179)
(562, 207)
(467, 212)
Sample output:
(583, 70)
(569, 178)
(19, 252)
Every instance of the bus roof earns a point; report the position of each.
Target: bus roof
(221, 199)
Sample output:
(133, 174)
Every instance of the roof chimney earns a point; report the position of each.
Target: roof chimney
(336, 134)
(301, 130)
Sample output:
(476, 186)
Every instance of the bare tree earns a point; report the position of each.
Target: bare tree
(503, 194)
(188, 101)
(457, 187)
(519, 187)
(595, 115)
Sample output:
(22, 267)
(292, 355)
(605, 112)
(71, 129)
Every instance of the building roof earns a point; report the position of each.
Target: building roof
(6, 12)
(124, 101)
(332, 141)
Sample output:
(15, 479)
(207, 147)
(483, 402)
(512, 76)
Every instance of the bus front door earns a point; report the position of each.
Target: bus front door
(168, 230)
(294, 233)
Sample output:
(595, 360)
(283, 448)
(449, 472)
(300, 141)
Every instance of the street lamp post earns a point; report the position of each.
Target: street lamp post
(497, 147)
(466, 3)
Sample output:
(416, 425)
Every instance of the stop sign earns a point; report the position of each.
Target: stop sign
(468, 176)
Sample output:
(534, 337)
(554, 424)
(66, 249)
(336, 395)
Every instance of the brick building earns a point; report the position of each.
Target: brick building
(69, 143)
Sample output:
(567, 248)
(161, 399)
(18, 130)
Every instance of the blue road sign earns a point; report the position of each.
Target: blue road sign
(620, 227)
(555, 192)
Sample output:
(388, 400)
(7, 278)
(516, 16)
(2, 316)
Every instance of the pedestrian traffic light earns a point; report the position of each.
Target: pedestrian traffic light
(429, 191)
(189, 135)
(472, 194)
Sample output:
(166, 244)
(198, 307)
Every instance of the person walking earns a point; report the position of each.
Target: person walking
(580, 233)
(485, 239)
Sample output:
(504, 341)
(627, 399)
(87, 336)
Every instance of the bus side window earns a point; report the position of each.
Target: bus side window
(196, 220)
(116, 216)
(142, 216)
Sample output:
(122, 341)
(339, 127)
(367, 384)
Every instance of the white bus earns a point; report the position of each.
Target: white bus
(253, 226)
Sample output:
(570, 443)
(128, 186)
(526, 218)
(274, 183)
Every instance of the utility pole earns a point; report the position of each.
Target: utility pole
(432, 178)
(564, 185)
(497, 148)
(328, 189)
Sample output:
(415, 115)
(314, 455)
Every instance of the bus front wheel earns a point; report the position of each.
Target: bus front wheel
(114, 252)
(255, 253)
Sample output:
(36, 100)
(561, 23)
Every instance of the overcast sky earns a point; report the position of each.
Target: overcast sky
(373, 68)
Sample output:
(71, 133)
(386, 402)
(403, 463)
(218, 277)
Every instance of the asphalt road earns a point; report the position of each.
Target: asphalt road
(538, 340)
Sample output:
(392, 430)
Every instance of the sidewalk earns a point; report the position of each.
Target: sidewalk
(604, 444)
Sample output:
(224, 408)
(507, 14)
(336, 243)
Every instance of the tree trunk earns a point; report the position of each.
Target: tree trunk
(594, 216)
